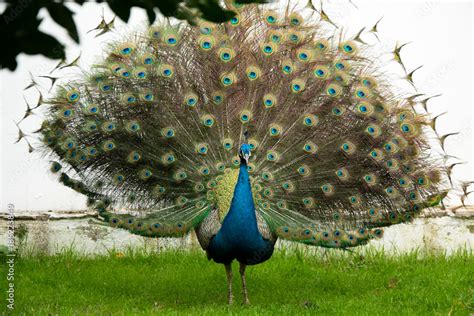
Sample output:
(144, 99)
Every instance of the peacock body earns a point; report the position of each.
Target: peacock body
(260, 128)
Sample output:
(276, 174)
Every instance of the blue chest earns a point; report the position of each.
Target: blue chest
(239, 237)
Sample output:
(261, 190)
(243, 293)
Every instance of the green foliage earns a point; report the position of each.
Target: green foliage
(172, 282)
(19, 22)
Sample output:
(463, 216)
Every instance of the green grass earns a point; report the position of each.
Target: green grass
(290, 283)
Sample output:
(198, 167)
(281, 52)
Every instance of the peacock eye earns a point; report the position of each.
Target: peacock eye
(348, 48)
(405, 128)
(72, 95)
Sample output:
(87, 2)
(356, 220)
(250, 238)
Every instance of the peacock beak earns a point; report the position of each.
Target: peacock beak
(246, 157)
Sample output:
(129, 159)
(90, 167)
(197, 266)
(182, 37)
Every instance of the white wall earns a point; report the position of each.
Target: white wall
(441, 36)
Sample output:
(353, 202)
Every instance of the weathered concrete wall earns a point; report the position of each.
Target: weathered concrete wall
(53, 231)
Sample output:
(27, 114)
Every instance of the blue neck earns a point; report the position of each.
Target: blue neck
(239, 237)
(241, 220)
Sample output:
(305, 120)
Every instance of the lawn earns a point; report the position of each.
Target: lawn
(290, 283)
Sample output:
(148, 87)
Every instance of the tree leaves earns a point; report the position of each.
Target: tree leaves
(19, 23)
(19, 34)
(121, 8)
(63, 16)
(212, 11)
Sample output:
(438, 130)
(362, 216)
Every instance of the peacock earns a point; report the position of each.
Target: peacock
(271, 125)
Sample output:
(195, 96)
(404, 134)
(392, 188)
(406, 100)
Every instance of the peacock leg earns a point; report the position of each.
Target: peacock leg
(228, 270)
(244, 283)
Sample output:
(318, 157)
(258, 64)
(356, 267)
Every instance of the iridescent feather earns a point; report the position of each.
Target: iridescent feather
(156, 126)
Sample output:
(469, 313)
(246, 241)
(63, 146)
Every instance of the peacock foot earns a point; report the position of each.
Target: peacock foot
(228, 270)
(244, 284)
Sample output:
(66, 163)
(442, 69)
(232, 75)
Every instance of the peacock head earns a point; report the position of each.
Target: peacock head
(244, 153)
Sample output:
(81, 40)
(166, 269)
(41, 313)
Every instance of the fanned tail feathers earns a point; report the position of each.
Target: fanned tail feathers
(156, 126)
